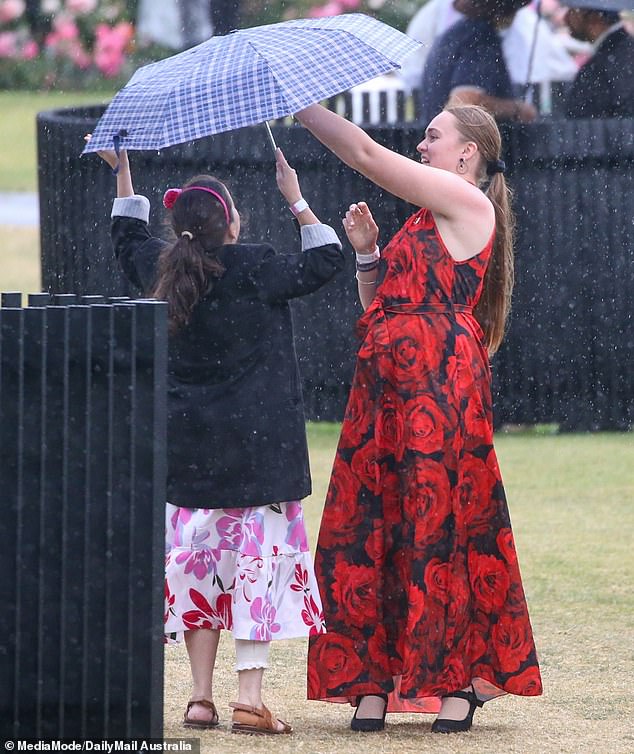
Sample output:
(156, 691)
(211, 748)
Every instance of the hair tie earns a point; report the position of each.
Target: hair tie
(172, 194)
(187, 234)
(495, 166)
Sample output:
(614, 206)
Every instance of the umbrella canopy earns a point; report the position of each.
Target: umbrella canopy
(613, 6)
(247, 77)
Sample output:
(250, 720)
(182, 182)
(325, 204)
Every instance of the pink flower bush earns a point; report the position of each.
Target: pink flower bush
(10, 10)
(30, 50)
(88, 44)
(85, 40)
(64, 42)
(334, 8)
(8, 44)
(81, 7)
(110, 46)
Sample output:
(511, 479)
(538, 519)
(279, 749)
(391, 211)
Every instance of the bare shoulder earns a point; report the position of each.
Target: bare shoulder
(466, 232)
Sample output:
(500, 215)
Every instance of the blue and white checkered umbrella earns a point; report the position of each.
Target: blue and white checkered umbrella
(248, 77)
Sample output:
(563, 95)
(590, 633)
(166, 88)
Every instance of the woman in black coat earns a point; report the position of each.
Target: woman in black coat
(237, 553)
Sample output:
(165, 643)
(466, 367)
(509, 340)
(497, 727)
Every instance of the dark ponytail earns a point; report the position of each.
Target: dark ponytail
(187, 268)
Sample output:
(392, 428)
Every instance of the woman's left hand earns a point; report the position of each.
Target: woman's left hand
(360, 228)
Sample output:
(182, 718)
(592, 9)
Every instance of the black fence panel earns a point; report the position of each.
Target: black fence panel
(571, 334)
(82, 469)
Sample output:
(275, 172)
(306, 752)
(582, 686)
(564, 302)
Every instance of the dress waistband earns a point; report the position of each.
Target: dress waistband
(439, 308)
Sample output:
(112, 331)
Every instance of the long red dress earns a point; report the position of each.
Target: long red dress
(416, 560)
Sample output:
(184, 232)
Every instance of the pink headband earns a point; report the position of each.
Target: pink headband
(171, 195)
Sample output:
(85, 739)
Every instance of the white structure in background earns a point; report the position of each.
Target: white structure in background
(176, 24)
(389, 83)
(551, 61)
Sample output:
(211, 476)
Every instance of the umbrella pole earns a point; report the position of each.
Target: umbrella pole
(270, 135)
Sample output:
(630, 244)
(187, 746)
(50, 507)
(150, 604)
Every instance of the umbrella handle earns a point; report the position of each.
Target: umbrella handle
(270, 135)
(116, 141)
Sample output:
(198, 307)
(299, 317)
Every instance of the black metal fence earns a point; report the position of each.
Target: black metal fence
(82, 474)
(567, 358)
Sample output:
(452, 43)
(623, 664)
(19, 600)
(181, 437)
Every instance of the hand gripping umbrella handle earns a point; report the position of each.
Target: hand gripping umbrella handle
(116, 141)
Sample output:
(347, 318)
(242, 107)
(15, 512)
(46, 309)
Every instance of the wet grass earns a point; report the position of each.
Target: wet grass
(20, 251)
(18, 156)
(571, 500)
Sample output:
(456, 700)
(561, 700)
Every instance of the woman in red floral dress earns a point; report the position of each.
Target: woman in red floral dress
(423, 598)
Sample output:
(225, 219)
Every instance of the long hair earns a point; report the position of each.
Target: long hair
(187, 268)
(477, 125)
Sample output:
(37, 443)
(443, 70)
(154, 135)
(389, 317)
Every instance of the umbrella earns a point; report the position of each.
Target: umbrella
(246, 77)
(613, 6)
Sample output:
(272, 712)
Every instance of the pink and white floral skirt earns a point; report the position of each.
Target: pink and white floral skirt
(247, 570)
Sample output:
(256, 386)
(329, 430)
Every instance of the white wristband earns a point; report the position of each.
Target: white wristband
(299, 206)
(370, 257)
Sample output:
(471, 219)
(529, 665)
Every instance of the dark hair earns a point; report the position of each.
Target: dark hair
(187, 267)
(494, 10)
(609, 17)
(475, 124)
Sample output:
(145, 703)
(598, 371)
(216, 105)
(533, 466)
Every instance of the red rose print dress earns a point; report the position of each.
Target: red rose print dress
(415, 560)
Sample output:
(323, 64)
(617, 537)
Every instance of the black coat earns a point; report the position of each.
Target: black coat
(236, 427)
(604, 86)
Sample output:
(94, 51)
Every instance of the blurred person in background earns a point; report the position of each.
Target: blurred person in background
(176, 24)
(551, 59)
(225, 15)
(627, 16)
(466, 64)
(554, 13)
(604, 85)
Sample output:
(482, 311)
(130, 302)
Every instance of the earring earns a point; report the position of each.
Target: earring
(462, 166)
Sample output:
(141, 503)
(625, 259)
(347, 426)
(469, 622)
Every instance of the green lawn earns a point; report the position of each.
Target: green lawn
(18, 156)
(20, 269)
(571, 500)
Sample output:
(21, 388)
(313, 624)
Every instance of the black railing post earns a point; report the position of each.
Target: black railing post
(83, 459)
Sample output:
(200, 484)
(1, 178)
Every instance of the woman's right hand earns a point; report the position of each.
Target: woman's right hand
(360, 228)
(286, 178)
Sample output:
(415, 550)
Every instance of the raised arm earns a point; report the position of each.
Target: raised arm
(313, 232)
(280, 277)
(441, 191)
(288, 184)
(124, 177)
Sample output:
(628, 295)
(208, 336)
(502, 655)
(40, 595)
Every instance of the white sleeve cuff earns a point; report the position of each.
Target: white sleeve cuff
(318, 235)
(137, 207)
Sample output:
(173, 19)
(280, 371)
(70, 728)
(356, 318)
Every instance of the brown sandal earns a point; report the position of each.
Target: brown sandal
(205, 724)
(246, 719)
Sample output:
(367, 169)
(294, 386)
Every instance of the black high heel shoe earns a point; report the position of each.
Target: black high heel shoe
(369, 724)
(444, 725)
